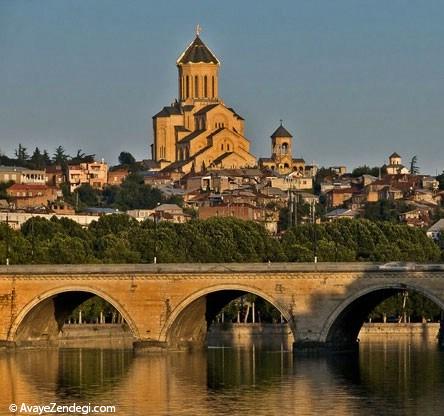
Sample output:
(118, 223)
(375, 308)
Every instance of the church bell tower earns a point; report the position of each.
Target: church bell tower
(198, 70)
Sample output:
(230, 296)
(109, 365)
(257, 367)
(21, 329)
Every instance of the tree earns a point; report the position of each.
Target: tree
(414, 168)
(81, 157)
(21, 154)
(38, 159)
(366, 170)
(87, 195)
(132, 194)
(46, 158)
(60, 157)
(126, 158)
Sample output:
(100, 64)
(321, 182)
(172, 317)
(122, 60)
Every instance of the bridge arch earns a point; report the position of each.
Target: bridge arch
(343, 325)
(25, 315)
(188, 321)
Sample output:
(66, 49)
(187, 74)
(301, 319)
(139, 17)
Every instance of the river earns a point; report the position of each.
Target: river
(387, 377)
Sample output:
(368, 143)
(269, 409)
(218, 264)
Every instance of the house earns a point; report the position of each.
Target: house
(294, 181)
(55, 176)
(436, 230)
(244, 212)
(22, 175)
(94, 174)
(170, 212)
(117, 176)
(24, 196)
(337, 197)
(341, 213)
(414, 218)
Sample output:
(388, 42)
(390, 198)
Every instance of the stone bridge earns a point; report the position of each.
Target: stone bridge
(171, 305)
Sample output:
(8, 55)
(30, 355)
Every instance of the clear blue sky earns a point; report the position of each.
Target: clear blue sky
(353, 80)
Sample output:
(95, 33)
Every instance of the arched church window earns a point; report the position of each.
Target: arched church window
(212, 87)
(222, 146)
(286, 166)
(284, 148)
(228, 147)
(187, 86)
(196, 86)
(205, 86)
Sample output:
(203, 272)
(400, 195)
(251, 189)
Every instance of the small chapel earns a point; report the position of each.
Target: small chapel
(198, 131)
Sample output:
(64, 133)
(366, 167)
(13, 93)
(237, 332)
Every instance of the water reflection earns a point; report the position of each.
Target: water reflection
(387, 377)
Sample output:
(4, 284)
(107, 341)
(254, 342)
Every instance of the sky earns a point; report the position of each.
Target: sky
(352, 80)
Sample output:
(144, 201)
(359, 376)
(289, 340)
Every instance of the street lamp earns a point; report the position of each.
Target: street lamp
(315, 241)
(7, 239)
(155, 234)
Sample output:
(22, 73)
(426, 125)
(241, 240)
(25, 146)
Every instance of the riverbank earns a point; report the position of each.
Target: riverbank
(119, 336)
(241, 334)
(95, 336)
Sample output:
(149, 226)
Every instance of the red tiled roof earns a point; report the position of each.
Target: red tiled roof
(25, 187)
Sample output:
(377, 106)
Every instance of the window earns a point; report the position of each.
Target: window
(228, 147)
(222, 146)
(196, 86)
(205, 86)
(212, 87)
(187, 86)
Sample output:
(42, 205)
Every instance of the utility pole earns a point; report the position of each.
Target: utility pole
(290, 208)
(296, 197)
(32, 240)
(315, 243)
(7, 239)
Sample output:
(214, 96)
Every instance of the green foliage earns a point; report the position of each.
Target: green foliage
(3, 187)
(414, 168)
(302, 213)
(359, 240)
(87, 195)
(385, 210)
(413, 306)
(119, 238)
(60, 157)
(126, 158)
(91, 309)
(366, 170)
(21, 154)
(82, 157)
(132, 194)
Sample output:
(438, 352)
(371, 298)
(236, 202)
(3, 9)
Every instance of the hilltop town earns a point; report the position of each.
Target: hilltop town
(201, 166)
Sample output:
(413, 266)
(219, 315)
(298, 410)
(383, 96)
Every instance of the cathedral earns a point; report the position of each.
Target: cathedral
(198, 131)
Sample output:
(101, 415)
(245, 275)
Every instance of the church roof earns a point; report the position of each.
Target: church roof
(394, 155)
(281, 131)
(197, 52)
(168, 111)
(211, 106)
(206, 109)
(191, 136)
(234, 112)
(220, 158)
